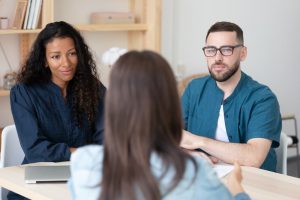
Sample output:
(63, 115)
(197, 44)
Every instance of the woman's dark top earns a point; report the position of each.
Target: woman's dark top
(45, 125)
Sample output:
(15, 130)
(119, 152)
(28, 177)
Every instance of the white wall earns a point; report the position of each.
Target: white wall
(271, 33)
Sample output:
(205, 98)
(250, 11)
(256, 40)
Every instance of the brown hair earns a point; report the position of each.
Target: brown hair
(142, 116)
(226, 26)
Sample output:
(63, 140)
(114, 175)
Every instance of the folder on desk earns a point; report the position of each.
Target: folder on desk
(42, 174)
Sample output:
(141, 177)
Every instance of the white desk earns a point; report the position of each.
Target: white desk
(259, 184)
(12, 178)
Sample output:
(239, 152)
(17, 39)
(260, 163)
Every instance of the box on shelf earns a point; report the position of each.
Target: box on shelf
(112, 18)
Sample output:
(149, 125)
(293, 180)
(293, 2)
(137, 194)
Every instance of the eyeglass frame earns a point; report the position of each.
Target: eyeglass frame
(219, 49)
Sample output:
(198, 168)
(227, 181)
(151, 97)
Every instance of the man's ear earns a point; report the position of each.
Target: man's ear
(243, 55)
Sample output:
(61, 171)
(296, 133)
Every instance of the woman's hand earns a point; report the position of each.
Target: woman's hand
(234, 180)
(72, 149)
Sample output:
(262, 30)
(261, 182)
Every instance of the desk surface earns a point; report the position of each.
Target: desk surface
(12, 178)
(259, 184)
(262, 184)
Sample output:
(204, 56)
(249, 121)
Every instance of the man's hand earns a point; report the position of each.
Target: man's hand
(212, 160)
(190, 141)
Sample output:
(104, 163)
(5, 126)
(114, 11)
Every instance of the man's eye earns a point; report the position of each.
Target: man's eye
(226, 50)
(210, 50)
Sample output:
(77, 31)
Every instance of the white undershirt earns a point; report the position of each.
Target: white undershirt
(221, 133)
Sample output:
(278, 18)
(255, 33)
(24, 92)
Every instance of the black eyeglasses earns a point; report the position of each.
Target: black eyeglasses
(227, 50)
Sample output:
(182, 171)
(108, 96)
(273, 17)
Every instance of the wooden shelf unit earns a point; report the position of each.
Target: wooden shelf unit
(4, 93)
(18, 31)
(111, 27)
(144, 34)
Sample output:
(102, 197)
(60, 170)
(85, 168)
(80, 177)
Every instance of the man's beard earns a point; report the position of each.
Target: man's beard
(227, 75)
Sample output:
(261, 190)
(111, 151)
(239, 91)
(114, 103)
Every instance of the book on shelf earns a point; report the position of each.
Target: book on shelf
(19, 14)
(33, 14)
(30, 15)
(27, 14)
(37, 12)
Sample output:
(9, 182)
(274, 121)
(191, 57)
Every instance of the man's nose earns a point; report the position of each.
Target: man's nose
(219, 56)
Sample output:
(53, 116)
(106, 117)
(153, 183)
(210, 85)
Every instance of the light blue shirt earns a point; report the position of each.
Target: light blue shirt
(86, 176)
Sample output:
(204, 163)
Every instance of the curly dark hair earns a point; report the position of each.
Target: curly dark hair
(85, 88)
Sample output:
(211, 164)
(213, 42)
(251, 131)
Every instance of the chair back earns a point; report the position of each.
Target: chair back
(185, 81)
(281, 153)
(11, 151)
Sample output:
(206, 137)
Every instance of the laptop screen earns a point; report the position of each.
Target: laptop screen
(40, 174)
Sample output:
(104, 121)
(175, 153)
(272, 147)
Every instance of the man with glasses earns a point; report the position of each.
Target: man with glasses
(228, 115)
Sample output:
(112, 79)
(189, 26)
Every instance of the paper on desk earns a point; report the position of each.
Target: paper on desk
(49, 163)
(222, 170)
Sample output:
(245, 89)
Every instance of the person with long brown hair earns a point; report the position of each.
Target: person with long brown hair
(141, 157)
(58, 102)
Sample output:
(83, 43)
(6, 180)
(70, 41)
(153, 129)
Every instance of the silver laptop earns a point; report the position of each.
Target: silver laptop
(42, 174)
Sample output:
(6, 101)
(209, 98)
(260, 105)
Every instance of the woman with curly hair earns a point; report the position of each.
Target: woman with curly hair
(57, 104)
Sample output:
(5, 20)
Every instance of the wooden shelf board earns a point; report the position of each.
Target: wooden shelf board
(111, 27)
(18, 31)
(4, 93)
(86, 27)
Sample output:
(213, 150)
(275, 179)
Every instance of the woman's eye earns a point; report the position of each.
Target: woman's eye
(73, 53)
(55, 57)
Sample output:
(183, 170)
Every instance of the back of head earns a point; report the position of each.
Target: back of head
(142, 116)
(226, 26)
(143, 99)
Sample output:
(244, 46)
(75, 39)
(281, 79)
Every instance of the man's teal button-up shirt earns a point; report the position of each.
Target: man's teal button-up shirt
(251, 111)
